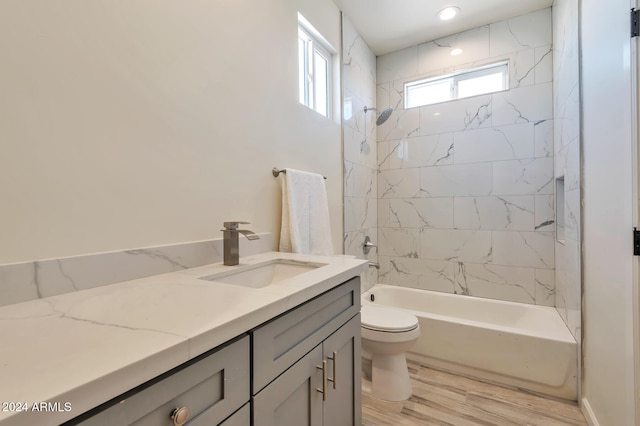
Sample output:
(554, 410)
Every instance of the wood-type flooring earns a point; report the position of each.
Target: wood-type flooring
(445, 399)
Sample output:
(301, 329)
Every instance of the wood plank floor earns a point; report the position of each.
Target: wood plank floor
(445, 399)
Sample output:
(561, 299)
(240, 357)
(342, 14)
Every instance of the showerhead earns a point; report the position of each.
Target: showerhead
(382, 116)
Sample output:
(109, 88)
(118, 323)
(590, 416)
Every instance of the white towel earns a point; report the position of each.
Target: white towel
(305, 214)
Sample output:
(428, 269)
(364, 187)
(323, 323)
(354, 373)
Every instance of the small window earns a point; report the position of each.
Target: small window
(314, 69)
(463, 84)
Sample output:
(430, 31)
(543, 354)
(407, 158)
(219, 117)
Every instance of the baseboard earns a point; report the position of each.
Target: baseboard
(587, 412)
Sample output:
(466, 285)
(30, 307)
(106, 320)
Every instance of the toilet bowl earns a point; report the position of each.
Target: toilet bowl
(387, 333)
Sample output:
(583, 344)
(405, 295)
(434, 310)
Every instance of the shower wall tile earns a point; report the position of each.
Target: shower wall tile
(421, 213)
(359, 151)
(397, 65)
(353, 246)
(419, 273)
(457, 180)
(359, 70)
(359, 181)
(399, 183)
(384, 213)
(480, 219)
(359, 213)
(526, 249)
(494, 144)
(496, 282)
(545, 287)
(533, 176)
(383, 95)
(455, 116)
(544, 64)
(572, 215)
(545, 213)
(528, 104)
(523, 66)
(567, 113)
(495, 213)
(543, 135)
(436, 54)
(421, 151)
(402, 124)
(396, 94)
(521, 32)
(360, 148)
(456, 245)
(399, 242)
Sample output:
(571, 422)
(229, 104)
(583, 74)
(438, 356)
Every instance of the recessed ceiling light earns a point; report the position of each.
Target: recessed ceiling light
(448, 13)
(455, 52)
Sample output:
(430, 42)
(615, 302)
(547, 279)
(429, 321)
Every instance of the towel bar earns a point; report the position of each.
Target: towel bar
(275, 171)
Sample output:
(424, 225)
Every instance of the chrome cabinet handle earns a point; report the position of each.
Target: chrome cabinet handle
(323, 391)
(334, 358)
(180, 416)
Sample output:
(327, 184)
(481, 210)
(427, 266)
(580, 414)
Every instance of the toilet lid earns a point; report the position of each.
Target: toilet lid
(383, 318)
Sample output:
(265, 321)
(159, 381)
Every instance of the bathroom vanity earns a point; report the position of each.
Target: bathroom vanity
(274, 339)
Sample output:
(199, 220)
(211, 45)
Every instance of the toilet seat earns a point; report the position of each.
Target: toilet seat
(387, 320)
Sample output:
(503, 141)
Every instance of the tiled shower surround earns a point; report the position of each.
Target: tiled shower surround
(566, 138)
(465, 188)
(360, 148)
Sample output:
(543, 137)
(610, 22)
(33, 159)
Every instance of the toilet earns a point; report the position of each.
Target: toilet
(387, 333)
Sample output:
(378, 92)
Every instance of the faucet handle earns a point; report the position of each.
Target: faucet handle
(232, 226)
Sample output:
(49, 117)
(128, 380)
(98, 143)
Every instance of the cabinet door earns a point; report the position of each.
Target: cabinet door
(283, 341)
(342, 352)
(292, 399)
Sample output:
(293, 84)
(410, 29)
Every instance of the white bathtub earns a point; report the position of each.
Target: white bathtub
(515, 344)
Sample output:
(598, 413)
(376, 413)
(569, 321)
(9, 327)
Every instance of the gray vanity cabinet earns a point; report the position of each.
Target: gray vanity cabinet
(292, 399)
(342, 405)
(306, 363)
(207, 390)
(300, 368)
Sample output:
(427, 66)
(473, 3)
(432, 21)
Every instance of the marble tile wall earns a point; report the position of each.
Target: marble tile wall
(566, 136)
(466, 188)
(22, 282)
(360, 148)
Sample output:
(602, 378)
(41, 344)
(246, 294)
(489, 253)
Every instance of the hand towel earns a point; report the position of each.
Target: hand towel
(305, 227)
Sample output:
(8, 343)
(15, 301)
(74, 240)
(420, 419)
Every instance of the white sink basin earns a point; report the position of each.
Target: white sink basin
(264, 274)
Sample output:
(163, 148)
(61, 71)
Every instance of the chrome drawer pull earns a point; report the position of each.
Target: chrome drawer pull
(180, 416)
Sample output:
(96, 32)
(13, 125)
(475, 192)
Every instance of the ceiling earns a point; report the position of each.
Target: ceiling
(390, 25)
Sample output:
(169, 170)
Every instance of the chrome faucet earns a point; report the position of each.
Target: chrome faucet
(230, 241)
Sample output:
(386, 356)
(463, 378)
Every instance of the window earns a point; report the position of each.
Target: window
(314, 68)
(477, 81)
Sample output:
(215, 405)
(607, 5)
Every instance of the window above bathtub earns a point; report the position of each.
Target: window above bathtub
(460, 84)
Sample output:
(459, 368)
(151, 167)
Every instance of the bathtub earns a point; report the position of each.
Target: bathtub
(514, 344)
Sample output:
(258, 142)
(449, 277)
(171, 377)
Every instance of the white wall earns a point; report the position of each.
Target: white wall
(607, 219)
(138, 123)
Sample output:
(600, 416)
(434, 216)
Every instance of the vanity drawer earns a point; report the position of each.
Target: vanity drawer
(282, 341)
(212, 388)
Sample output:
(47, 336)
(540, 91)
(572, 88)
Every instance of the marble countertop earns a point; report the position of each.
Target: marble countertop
(63, 355)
